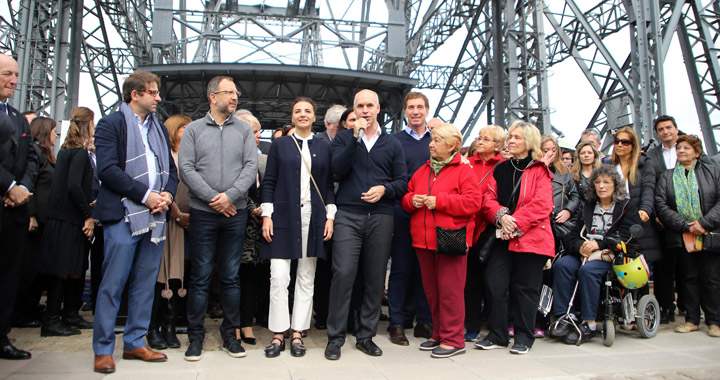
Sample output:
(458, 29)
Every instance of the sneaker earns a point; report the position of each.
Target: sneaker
(194, 351)
(440, 352)
(519, 349)
(573, 337)
(470, 336)
(561, 328)
(487, 345)
(539, 333)
(429, 345)
(234, 348)
(511, 331)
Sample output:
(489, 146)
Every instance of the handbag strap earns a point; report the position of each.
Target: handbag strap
(307, 167)
(488, 173)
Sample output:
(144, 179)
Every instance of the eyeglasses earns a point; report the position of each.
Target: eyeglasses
(152, 93)
(229, 92)
(623, 142)
(484, 139)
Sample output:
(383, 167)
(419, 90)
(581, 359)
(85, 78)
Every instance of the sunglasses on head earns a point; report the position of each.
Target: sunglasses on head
(623, 142)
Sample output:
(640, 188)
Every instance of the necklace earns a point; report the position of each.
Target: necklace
(516, 168)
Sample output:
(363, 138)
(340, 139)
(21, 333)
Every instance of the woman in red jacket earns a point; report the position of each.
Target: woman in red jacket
(443, 193)
(519, 202)
(489, 143)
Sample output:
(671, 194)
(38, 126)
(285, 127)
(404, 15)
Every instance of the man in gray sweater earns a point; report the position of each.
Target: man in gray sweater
(218, 163)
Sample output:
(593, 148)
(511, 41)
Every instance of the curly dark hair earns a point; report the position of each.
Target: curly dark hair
(620, 193)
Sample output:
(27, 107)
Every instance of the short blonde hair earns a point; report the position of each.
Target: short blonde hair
(531, 135)
(497, 133)
(450, 134)
(250, 119)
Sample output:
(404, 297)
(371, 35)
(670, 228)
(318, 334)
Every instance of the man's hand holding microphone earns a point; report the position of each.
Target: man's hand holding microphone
(360, 126)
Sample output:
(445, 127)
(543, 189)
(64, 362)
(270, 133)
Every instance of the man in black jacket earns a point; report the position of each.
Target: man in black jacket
(664, 157)
(18, 169)
(372, 175)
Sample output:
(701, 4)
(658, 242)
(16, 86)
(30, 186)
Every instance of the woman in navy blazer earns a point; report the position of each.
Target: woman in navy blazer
(297, 218)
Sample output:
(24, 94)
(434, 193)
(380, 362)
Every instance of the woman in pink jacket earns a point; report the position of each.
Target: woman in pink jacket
(443, 193)
(519, 202)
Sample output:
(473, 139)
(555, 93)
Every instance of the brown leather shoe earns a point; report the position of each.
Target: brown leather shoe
(397, 336)
(145, 354)
(104, 364)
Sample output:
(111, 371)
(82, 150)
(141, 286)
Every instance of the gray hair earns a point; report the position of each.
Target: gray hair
(242, 111)
(591, 132)
(214, 82)
(619, 194)
(333, 114)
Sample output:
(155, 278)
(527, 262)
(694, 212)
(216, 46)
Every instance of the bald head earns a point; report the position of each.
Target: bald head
(9, 74)
(367, 106)
(434, 122)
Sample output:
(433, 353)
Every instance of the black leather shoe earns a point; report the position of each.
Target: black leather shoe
(273, 349)
(26, 323)
(248, 340)
(9, 352)
(155, 339)
(54, 327)
(561, 328)
(369, 347)
(667, 316)
(297, 348)
(170, 335)
(424, 330)
(320, 325)
(75, 320)
(332, 351)
(585, 335)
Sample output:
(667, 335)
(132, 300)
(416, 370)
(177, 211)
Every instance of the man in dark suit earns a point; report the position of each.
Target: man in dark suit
(18, 169)
(664, 157)
(138, 181)
(332, 120)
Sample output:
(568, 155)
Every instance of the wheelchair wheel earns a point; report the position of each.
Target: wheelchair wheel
(648, 319)
(608, 333)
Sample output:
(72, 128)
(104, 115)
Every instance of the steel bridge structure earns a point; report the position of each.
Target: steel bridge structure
(497, 72)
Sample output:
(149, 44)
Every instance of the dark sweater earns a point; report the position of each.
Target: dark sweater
(417, 152)
(71, 188)
(358, 170)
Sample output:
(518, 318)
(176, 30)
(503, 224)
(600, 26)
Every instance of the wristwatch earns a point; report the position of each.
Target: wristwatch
(178, 218)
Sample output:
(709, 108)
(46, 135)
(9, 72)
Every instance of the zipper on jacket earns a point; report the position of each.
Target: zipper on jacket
(222, 156)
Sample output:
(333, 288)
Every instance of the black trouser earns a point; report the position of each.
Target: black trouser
(252, 276)
(664, 279)
(32, 283)
(12, 239)
(360, 241)
(517, 276)
(702, 286)
(323, 276)
(474, 290)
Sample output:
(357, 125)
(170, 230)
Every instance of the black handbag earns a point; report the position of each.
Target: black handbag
(485, 242)
(450, 241)
(711, 242)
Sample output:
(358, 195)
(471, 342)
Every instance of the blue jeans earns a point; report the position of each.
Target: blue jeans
(569, 269)
(214, 235)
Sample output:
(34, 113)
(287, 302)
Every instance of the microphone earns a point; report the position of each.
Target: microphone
(362, 124)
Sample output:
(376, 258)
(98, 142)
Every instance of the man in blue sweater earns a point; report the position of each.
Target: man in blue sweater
(372, 175)
(405, 290)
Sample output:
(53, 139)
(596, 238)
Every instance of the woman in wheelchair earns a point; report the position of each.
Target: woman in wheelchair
(606, 213)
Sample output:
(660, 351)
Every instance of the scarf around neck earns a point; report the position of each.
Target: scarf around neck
(138, 215)
(687, 196)
(436, 165)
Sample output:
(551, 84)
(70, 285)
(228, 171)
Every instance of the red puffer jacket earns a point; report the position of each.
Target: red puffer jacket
(532, 213)
(483, 173)
(457, 199)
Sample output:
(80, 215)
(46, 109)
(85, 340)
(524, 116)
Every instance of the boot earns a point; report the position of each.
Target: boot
(155, 339)
(53, 326)
(73, 319)
(168, 328)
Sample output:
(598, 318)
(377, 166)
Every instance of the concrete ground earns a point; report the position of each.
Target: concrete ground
(667, 356)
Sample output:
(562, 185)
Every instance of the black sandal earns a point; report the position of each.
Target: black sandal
(297, 349)
(273, 349)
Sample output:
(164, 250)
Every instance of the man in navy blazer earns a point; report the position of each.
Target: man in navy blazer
(131, 255)
(18, 170)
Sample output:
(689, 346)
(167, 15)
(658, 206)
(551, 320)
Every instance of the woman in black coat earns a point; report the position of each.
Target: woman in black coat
(298, 211)
(66, 239)
(639, 174)
(688, 205)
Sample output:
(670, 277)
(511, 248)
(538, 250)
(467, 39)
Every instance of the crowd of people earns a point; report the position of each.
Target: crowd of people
(303, 228)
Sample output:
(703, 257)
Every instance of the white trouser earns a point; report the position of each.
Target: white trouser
(279, 317)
